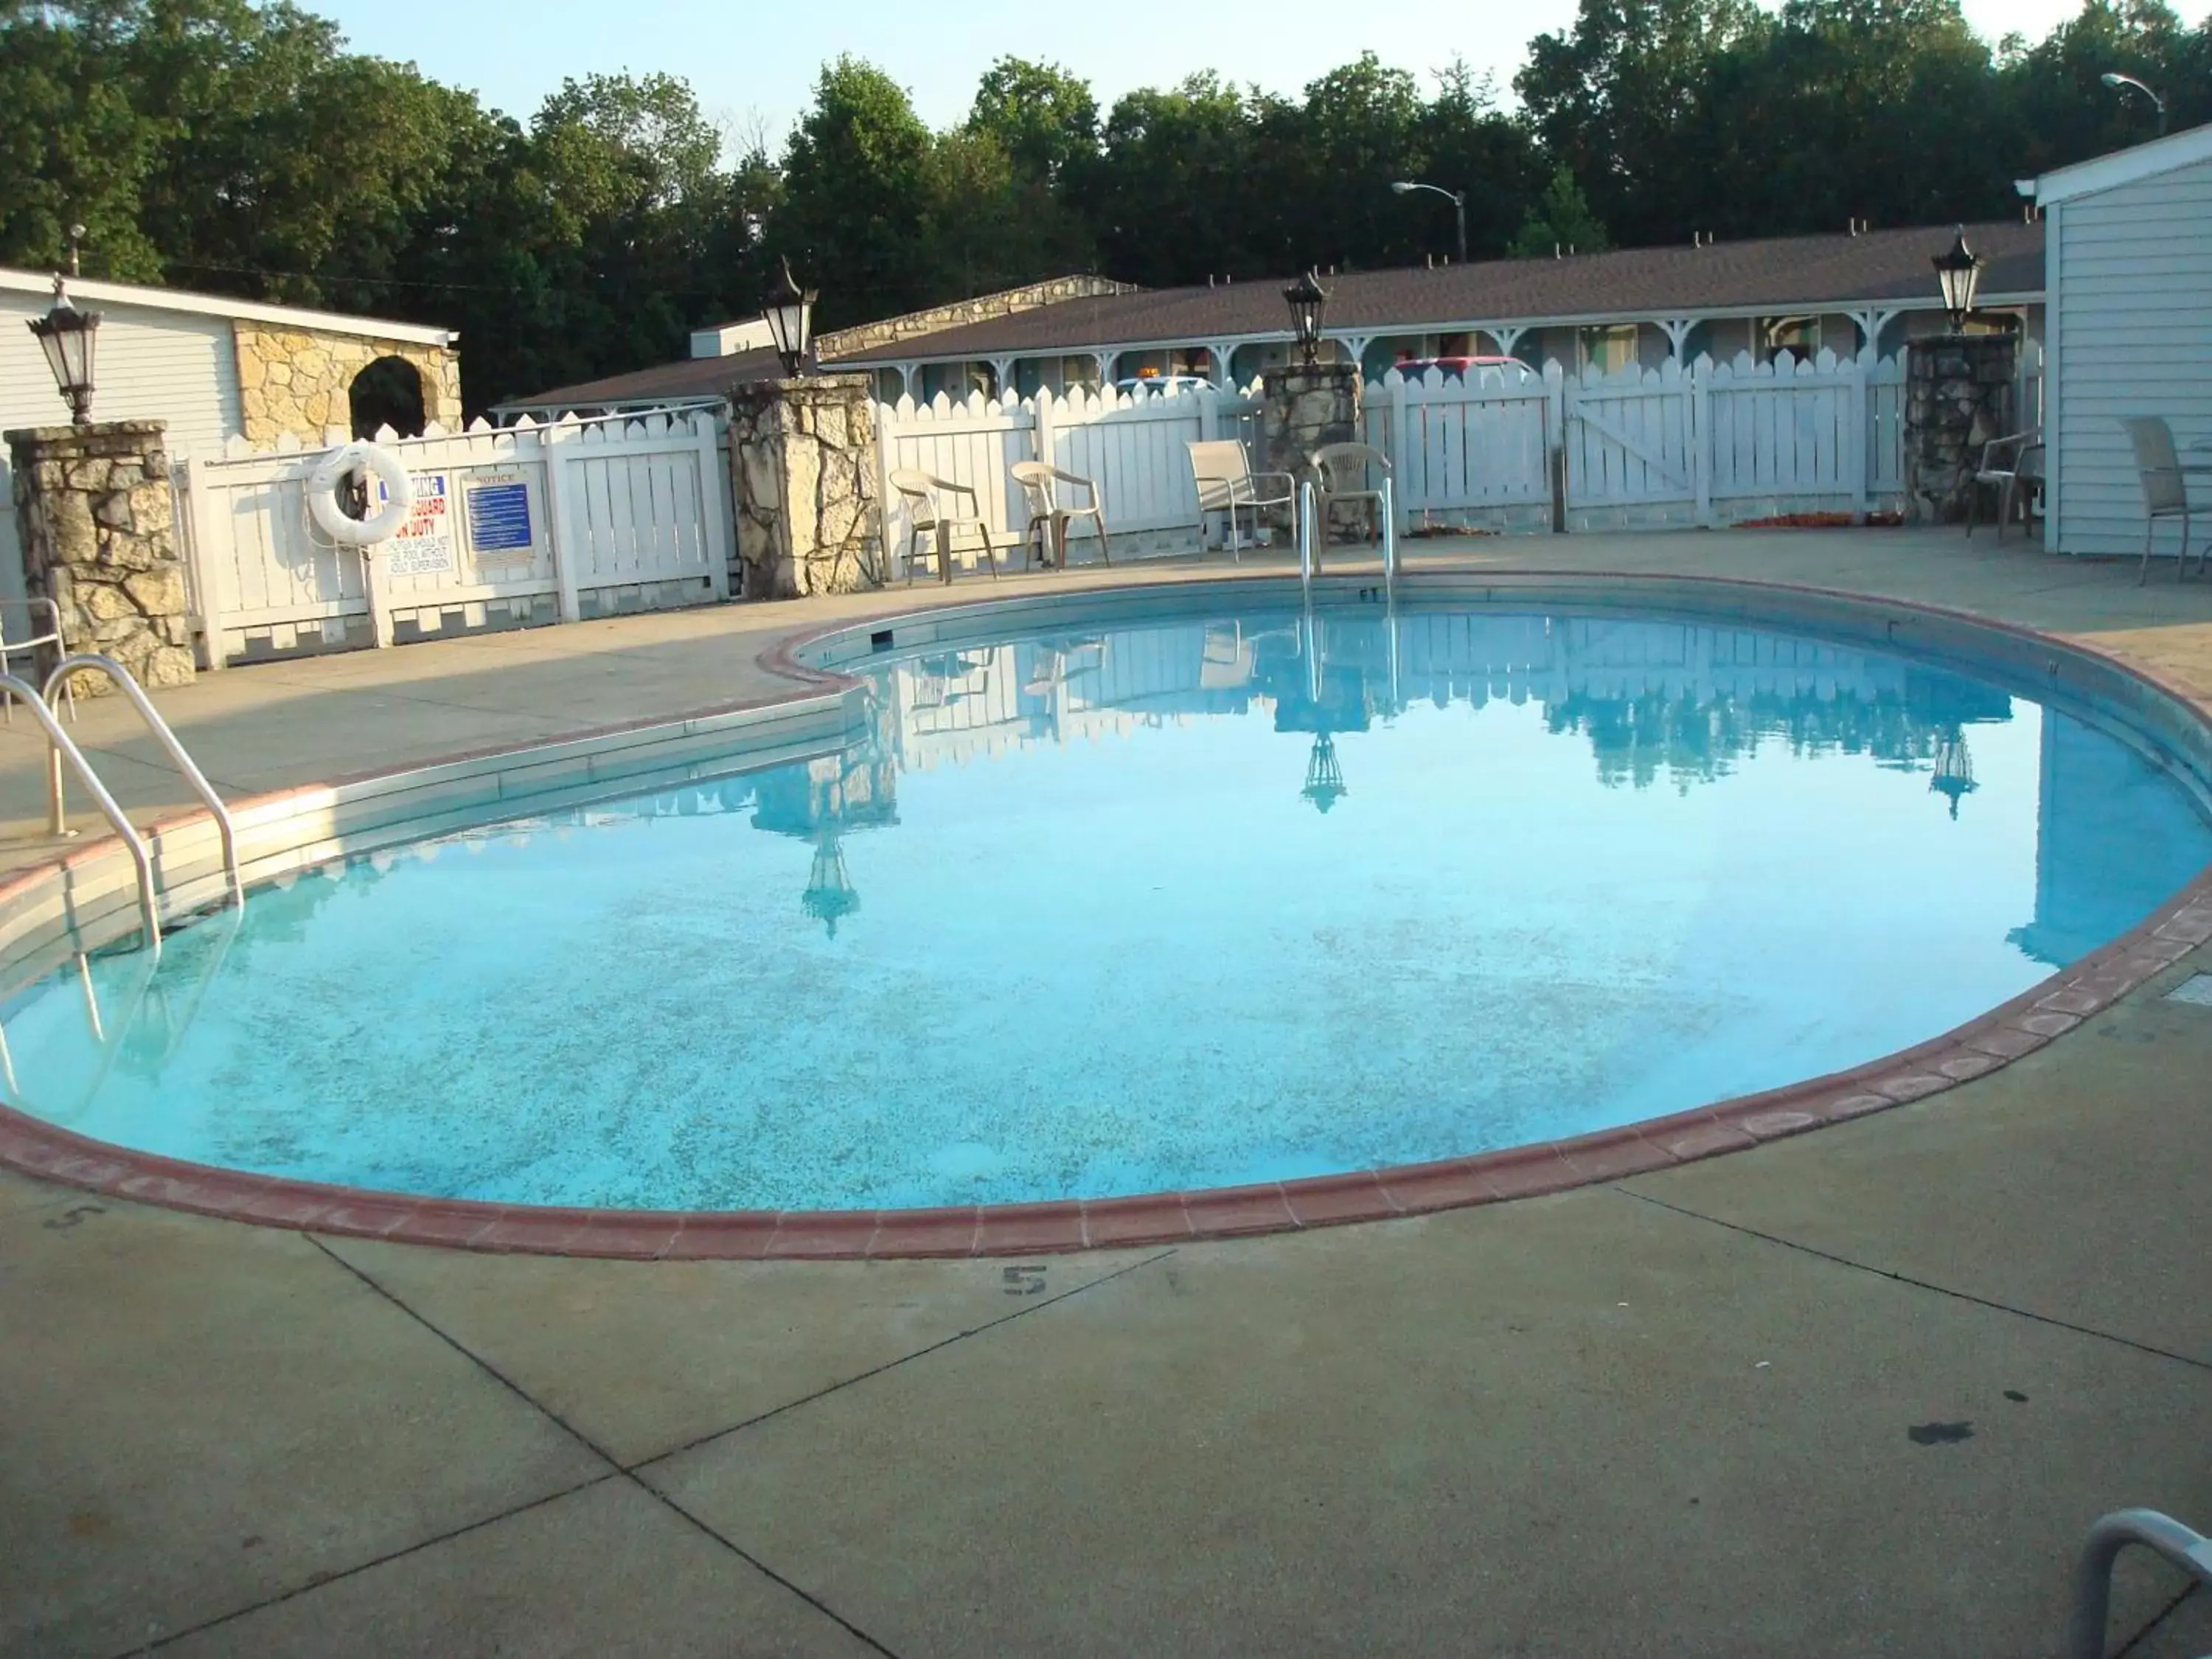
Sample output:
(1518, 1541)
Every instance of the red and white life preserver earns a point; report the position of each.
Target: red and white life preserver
(332, 471)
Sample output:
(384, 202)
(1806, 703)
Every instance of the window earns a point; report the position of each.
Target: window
(1611, 349)
(1798, 336)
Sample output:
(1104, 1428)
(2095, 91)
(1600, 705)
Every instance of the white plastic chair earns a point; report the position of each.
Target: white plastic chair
(2165, 483)
(1226, 483)
(24, 641)
(1037, 480)
(1341, 470)
(932, 504)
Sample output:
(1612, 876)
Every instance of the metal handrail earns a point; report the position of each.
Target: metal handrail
(2093, 1576)
(126, 682)
(150, 906)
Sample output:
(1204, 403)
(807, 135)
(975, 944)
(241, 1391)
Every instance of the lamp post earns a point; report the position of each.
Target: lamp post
(789, 311)
(2125, 84)
(67, 336)
(1960, 272)
(1306, 298)
(1456, 197)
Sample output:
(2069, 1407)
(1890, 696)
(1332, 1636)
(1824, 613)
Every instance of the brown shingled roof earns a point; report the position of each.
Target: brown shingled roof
(689, 377)
(1790, 273)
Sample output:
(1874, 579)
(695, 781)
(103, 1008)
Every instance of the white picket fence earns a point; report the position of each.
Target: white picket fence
(1132, 446)
(1706, 444)
(512, 526)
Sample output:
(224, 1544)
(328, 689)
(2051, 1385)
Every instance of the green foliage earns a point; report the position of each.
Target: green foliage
(237, 145)
(1559, 223)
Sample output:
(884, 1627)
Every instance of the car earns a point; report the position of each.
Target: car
(1412, 368)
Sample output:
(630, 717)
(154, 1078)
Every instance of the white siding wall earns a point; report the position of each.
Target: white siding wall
(2131, 327)
(152, 365)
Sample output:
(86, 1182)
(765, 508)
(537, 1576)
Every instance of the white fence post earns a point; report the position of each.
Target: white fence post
(202, 526)
(557, 444)
(1394, 383)
(1701, 439)
(1857, 466)
(719, 544)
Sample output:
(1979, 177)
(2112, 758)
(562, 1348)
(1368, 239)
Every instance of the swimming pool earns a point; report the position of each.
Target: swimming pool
(1232, 892)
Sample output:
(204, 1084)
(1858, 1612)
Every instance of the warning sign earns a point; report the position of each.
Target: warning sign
(424, 545)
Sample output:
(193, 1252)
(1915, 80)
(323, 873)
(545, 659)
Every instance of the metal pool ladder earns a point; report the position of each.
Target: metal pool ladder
(62, 747)
(2093, 1574)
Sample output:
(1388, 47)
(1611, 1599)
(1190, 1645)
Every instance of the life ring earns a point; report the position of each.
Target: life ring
(323, 494)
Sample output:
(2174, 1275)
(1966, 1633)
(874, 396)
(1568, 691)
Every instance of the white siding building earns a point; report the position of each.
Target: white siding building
(163, 355)
(2128, 330)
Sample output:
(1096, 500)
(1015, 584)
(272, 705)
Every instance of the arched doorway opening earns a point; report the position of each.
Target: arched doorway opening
(388, 392)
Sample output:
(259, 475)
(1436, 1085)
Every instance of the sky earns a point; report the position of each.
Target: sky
(753, 62)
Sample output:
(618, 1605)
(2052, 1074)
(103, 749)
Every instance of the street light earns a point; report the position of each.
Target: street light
(67, 336)
(790, 313)
(1959, 272)
(1456, 197)
(1306, 297)
(2121, 83)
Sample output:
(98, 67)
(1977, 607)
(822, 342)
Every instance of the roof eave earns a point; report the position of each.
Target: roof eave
(2124, 166)
(187, 303)
(1448, 325)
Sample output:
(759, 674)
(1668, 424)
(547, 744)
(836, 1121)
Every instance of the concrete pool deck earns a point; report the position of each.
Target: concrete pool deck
(1859, 1392)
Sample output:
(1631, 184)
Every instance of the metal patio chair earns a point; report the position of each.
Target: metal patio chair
(1038, 482)
(1226, 483)
(2012, 466)
(1342, 471)
(932, 505)
(2165, 483)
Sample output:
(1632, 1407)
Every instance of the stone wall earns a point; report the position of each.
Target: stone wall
(99, 535)
(803, 453)
(873, 336)
(1301, 409)
(298, 379)
(1957, 396)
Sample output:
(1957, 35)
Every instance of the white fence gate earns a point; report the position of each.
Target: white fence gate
(1706, 444)
(511, 526)
(1132, 446)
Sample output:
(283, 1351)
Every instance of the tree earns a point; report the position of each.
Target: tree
(856, 194)
(1044, 117)
(1561, 221)
(1172, 200)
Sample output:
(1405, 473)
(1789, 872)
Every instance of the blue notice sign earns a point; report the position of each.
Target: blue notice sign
(499, 515)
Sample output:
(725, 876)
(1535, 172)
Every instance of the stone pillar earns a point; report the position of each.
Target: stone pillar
(1301, 409)
(804, 456)
(99, 535)
(1958, 396)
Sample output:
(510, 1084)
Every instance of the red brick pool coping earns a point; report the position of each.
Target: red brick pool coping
(34, 1147)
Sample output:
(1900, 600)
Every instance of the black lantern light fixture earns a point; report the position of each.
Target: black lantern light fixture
(831, 895)
(1324, 774)
(67, 337)
(1306, 297)
(1959, 272)
(1953, 777)
(789, 311)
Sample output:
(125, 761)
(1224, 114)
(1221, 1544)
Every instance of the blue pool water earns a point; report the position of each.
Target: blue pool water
(1071, 920)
